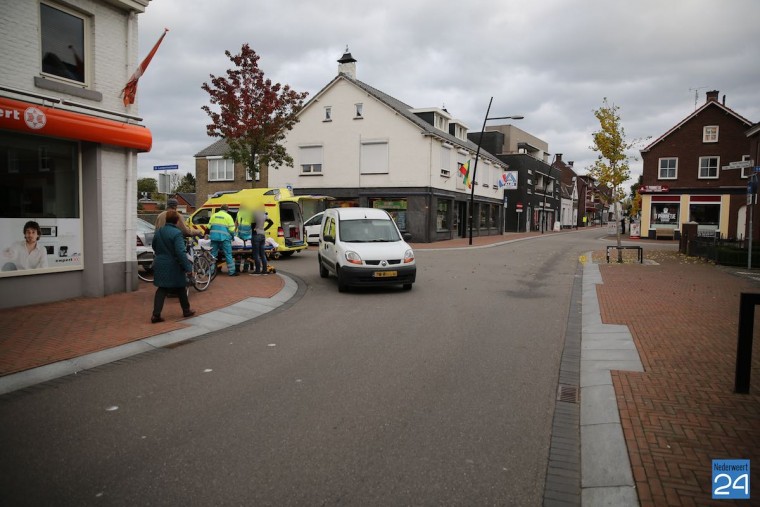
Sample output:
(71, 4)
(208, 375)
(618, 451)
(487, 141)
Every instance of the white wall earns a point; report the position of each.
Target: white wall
(414, 158)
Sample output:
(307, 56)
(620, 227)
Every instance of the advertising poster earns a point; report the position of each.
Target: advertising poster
(31, 246)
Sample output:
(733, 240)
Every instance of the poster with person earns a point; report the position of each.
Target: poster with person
(39, 245)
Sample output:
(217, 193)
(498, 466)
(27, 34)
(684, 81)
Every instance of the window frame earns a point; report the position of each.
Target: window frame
(216, 160)
(717, 168)
(86, 56)
(660, 168)
(359, 111)
(707, 133)
(311, 168)
(328, 114)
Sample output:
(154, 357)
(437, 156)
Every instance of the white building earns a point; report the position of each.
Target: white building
(366, 148)
(68, 147)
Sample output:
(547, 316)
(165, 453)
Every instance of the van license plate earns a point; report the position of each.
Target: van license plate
(385, 274)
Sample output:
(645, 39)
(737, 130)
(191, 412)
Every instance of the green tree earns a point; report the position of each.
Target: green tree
(147, 185)
(611, 167)
(186, 184)
(253, 114)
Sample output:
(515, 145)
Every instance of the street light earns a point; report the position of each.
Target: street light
(543, 208)
(477, 155)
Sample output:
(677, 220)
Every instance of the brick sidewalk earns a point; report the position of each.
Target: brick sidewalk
(681, 412)
(37, 335)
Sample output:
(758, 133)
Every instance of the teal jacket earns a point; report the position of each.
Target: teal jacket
(170, 263)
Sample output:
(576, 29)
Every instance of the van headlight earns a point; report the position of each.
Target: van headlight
(353, 258)
(408, 256)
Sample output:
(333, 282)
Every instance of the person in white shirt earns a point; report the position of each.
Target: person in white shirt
(27, 254)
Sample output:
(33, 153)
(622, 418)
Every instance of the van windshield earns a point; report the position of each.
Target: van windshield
(368, 230)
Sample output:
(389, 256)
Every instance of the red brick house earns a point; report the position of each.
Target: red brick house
(688, 175)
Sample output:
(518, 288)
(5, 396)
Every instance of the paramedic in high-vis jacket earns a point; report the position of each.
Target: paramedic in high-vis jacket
(221, 230)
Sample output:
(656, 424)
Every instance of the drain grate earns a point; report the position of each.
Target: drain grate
(568, 393)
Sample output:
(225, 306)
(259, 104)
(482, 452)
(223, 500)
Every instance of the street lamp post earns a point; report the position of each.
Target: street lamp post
(477, 155)
(543, 209)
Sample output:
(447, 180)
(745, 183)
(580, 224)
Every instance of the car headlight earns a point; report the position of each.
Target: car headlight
(408, 256)
(353, 258)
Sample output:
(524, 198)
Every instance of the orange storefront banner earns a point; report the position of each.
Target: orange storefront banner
(47, 121)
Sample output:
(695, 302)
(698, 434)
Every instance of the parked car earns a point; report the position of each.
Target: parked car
(311, 228)
(145, 232)
(363, 247)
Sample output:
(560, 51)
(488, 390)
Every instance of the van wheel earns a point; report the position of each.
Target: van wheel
(407, 286)
(286, 254)
(323, 273)
(342, 287)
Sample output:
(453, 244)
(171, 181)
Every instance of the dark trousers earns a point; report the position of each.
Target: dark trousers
(161, 292)
(259, 254)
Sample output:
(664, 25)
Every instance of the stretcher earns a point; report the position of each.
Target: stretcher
(243, 256)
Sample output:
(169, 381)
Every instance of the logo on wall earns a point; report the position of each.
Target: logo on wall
(34, 118)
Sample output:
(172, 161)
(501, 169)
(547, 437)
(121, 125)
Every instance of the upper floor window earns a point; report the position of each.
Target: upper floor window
(708, 167)
(374, 157)
(63, 43)
(710, 134)
(328, 113)
(668, 168)
(249, 175)
(310, 158)
(359, 110)
(221, 169)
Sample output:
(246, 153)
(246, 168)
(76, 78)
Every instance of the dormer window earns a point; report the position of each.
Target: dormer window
(328, 113)
(710, 134)
(359, 111)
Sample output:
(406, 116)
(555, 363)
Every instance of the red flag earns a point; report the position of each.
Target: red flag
(130, 90)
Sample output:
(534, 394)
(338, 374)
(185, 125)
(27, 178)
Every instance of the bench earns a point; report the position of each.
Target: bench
(664, 233)
(639, 252)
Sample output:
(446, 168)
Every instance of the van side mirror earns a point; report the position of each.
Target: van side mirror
(328, 238)
(407, 237)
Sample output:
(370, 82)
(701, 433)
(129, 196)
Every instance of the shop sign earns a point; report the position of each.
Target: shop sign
(389, 205)
(47, 121)
(653, 188)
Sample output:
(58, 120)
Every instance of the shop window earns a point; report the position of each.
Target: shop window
(63, 35)
(395, 208)
(40, 185)
(665, 214)
(705, 214)
(483, 215)
(492, 216)
(443, 215)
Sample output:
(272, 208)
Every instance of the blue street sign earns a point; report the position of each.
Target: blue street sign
(165, 167)
(757, 168)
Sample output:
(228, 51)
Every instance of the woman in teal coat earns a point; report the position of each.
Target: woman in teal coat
(170, 267)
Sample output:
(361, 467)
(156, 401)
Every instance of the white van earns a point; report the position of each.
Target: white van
(363, 247)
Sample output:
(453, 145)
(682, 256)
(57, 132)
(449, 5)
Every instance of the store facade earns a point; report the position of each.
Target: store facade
(67, 157)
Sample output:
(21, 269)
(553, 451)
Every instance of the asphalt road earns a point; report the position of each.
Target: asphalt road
(442, 395)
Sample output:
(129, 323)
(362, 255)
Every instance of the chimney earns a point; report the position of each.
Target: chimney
(559, 157)
(571, 163)
(712, 95)
(347, 65)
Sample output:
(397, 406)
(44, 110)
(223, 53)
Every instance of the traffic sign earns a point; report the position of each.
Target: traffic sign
(165, 167)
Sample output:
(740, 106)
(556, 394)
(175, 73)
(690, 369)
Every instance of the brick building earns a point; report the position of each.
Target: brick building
(687, 174)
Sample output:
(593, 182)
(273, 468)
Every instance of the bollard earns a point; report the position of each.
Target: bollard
(747, 304)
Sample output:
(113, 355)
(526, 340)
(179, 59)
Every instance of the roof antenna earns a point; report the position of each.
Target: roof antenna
(696, 94)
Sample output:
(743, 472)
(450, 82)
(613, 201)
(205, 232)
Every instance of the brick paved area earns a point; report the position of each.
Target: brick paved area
(681, 412)
(42, 334)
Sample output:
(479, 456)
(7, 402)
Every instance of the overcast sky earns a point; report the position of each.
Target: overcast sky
(552, 61)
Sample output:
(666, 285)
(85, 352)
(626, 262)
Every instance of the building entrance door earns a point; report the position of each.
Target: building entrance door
(462, 219)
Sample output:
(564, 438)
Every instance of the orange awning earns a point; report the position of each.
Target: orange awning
(47, 121)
